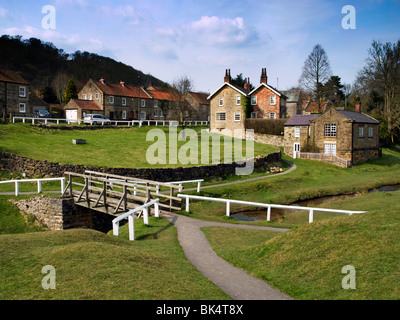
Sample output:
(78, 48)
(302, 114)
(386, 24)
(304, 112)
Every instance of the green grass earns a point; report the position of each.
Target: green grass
(306, 263)
(311, 179)
(110, 147)
(92, 265)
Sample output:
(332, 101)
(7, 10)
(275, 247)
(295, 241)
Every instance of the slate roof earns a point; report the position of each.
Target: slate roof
(358, 117)
(11, 76)
(301, 120)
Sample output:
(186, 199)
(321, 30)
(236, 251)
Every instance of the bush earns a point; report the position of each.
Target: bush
(266, 126)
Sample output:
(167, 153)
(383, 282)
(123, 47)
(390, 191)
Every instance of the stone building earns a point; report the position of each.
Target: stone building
(199, 104)
(349, 135)
(14, 93)
(226, 110)
(293, 103)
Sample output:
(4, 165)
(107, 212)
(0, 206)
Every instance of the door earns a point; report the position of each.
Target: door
(296, 148)
(71, 115)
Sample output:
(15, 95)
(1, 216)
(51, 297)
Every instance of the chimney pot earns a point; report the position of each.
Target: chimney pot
(358, 106)
(227, 77)
(122, 83)
(264, 78)
(102, 80)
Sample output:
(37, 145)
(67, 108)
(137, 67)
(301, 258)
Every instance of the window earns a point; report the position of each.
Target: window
(330, 149)
(253, 115)
(220, 116)
(237, 116)
(361, 131)
(272, 115)
(272, 100)
(155, 103)
(370, 131)
(186, 114)
(161, 114)
(22, 91)
(238, 100)
(22, 107)
(123, 114)
(143, 103)
(155, 114)
(96, 96)
(330, 130)
(84, 97)
(111, 99)
(221, 102)
(124, 101)
(90, 97)
(253, 100)
(297, 132)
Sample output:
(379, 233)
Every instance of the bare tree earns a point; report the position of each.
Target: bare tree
(181, 87)
(382, 74)
(316, 72)
(59, 84)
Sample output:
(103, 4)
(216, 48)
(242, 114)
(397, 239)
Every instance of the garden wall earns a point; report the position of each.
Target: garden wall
(34, 167)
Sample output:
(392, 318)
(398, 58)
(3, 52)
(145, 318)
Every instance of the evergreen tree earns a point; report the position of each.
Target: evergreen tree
(70, 91)
(48, 95)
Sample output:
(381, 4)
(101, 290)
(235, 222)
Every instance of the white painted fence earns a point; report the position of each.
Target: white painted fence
(131, 218)
(180, 183)
(265, 205)
(128, 123)
(38, 181)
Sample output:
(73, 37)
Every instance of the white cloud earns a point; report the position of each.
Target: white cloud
(126, 12)
(3, 12)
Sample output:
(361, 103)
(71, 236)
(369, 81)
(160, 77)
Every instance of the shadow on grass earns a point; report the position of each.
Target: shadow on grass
(155, 234)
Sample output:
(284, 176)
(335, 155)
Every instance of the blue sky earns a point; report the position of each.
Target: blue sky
(202, 38)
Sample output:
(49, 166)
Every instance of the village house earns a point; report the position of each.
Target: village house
(347, 135)
(14, 93)
(226, 104)
(199, 105)
(293, 103)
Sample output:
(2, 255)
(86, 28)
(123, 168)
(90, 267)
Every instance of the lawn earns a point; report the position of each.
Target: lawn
(311, 179)
(126, 147)
(306, 263)
(92, 265)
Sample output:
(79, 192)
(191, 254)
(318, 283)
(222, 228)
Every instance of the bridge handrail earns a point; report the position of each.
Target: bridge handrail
(265, 205)
(131, 214)
(180, 183)
(38, 181)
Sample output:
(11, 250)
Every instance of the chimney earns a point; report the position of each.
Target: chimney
(122, 83)
(227, 77)
(247, 83)
(102, 80)
(264, 77)
(358, 105)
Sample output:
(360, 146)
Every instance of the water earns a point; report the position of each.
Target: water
(257, 215)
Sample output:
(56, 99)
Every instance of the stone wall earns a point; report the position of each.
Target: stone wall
(62, 214)
(33, 167)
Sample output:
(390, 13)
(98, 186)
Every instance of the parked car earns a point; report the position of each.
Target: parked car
(96, 119)
(42, 114)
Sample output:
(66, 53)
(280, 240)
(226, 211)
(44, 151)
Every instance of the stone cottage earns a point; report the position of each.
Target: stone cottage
(349, 135)
(14, 93)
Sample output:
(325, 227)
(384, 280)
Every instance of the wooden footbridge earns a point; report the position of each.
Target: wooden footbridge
(115, 195)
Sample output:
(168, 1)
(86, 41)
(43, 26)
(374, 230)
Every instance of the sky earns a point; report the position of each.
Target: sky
(200, 39)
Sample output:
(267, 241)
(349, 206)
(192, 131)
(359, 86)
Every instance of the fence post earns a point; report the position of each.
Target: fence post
(198, 186)
(146, 216)
(187, 204)
(269, 213)
(39, 186)
(228, 204)
(311, 216)
(16, 188)
(116, 228)
(156, 210)
(131, 221)
(62, 185)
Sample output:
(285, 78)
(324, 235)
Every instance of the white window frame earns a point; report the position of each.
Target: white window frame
(124, 101)
(96, 96)
(297, 131)
(22, 92)
(370, 131)
(124, 114)
(90, 96)
(221, 101)
(155, 103)
(23, 110)
(272, 100)
(111, 99)
(330, 130)
(330, 149)
(143, 103)
(272, 115)
(361, 131)
(161, 114)
(218, 116)
(253, 100)
(155, 114)
(253, 115)
(238, 100)
(237, 116)
(85, 97)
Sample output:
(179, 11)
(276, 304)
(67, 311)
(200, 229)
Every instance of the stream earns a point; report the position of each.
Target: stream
(261, 214)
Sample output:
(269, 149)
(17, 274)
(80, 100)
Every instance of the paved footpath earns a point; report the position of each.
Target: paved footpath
(233, 281)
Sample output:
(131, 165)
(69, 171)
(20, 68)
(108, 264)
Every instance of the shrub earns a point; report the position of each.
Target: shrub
(266, 126)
